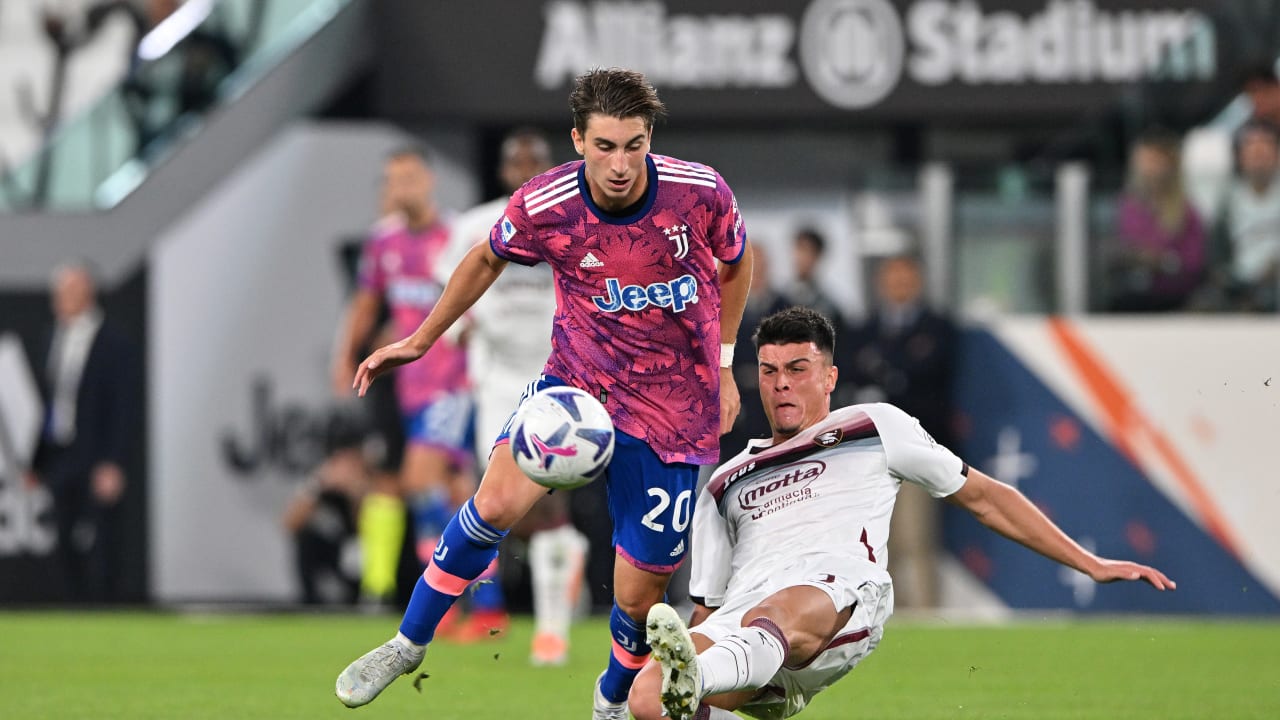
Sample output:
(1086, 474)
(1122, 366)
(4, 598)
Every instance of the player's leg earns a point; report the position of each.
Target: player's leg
(435, 436)
(635, 590)
(645, 701)
(488, 603)
(790, 627)
(469, 544)
(435, 443)
(557, 557)
(466, 548)
(381, 527)
(424, 474)
(651, 503)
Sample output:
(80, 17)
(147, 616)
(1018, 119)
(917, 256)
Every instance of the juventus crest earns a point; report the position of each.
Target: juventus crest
(678, 234)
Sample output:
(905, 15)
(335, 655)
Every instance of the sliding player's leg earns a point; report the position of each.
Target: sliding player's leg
(770, 659)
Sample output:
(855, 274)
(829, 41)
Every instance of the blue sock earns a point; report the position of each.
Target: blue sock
(486, 593)
(466, 548)
(430, 510)
(630, 652)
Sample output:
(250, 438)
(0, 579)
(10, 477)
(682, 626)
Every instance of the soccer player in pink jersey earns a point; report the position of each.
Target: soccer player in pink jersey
(651, 272)
(790, 542)
(398, 268)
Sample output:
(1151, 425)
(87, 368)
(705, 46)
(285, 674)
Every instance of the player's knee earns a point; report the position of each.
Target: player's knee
(645, 702)
(495, 509)
(776, 614)
(802, 642)
(635, 602)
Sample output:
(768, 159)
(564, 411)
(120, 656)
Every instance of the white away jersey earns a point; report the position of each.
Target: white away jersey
(829, 489)
(511, 322)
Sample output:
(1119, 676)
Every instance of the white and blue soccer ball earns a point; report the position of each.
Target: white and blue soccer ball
(562, 438)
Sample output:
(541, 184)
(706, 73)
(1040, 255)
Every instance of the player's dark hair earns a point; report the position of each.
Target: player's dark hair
(1261, 73)
(797, 325)
(614, 92)
(526, 135)
(812, 237)
(411, 151)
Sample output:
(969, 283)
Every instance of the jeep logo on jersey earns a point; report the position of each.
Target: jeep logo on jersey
(676, 294)
(789, 481)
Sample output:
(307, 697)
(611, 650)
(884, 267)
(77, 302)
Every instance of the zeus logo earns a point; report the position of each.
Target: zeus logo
(677, 295)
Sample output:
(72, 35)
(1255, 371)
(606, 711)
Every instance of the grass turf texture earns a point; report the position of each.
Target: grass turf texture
(135, 666)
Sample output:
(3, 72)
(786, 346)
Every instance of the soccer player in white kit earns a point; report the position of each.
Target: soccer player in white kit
(789, 542)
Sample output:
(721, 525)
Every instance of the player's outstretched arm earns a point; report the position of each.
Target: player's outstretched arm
(477, 271)
(1009, 512)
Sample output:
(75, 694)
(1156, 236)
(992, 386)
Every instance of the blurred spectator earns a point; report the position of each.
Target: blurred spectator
(322, 518)
(1209, 152)
(762, 301)
(161, 91)
(1260, 84)
(1159, 253)
(904, 354)
(808, 247)
(1249, 257)
(89, 388)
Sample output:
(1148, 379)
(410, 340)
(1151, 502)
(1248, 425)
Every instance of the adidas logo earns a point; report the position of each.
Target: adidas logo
(679, 549)
(589, 260)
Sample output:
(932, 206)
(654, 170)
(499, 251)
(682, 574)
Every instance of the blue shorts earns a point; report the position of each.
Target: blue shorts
(650, 501)
(446, 423)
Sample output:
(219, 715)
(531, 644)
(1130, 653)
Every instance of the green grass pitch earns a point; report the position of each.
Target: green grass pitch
(222, 667)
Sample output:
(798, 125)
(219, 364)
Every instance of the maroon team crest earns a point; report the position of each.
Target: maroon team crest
(830, 438)
(678, 234)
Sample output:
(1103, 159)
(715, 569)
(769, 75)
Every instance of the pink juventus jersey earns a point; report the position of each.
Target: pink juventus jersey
(637, 298)
(399, 265)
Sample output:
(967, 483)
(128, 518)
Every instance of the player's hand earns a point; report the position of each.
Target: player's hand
(384, 359)
(730, 402)
(1112, 570)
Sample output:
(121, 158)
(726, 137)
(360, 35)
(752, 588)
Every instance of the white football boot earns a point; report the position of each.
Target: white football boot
(602, 709)
(363, 679)
(673, 649)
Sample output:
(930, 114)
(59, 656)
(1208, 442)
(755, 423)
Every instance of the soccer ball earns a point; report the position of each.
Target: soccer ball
(562, 438)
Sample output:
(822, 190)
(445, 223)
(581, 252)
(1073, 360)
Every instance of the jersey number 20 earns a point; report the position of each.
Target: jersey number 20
(679, 514)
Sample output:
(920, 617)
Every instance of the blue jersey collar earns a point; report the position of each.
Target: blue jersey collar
(650, 194)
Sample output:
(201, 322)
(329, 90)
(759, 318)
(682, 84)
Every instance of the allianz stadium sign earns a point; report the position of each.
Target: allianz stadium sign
(764, 60)
(854, 53)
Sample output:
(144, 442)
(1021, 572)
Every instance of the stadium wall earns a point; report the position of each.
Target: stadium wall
(245, 294)
(1147, 438)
